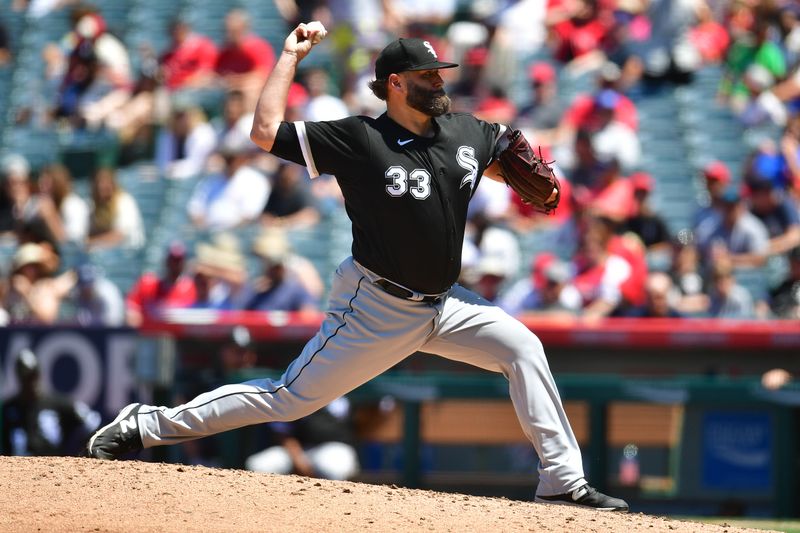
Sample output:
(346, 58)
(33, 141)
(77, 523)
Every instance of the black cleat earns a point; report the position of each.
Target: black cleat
(117, 438)
(587, 496)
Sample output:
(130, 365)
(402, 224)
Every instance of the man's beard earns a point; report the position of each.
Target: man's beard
(433, 102)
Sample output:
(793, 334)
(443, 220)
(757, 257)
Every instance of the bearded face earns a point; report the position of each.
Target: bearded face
(433, 102)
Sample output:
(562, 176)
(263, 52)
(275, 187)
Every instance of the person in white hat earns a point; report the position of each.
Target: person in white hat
(33, 296)
(278, 288)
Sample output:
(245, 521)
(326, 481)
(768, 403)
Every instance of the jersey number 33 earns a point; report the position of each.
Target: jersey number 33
(398, 178)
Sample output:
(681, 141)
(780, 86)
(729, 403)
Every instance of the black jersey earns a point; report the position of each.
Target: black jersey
(406, 195)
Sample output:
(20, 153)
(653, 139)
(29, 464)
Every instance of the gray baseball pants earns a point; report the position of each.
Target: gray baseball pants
(366, 331)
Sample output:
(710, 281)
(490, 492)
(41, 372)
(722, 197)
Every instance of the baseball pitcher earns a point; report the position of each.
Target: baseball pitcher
(407, 178)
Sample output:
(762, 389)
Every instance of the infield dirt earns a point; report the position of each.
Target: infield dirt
(73, 494)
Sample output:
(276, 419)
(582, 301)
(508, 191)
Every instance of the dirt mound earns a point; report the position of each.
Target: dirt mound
(71, 494)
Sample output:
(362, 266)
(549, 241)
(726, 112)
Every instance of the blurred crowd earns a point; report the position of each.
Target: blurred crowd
(187, 110)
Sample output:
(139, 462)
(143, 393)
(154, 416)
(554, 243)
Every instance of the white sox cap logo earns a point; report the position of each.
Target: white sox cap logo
(429, 46)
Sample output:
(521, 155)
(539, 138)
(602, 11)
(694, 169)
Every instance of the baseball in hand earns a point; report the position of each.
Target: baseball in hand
(319, 28)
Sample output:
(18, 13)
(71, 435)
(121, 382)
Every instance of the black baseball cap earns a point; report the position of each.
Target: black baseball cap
(407, 54)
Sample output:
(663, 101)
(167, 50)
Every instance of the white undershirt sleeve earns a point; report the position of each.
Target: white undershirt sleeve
(305, 147)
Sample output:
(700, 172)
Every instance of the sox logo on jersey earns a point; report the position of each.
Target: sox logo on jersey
(465, 157)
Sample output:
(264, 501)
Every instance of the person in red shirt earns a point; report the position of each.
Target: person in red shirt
(190, 61)
(709, 36)
(150, 293)
(611, 269)
(583, 111)
(245, 59)
(580, 34)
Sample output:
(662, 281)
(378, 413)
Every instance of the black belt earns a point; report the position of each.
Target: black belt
(401, 292)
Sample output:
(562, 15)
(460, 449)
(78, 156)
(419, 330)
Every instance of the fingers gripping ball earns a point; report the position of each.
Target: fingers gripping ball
(531, 177)
(317, 31)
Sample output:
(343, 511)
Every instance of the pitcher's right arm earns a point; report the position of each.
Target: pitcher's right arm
(271, 105)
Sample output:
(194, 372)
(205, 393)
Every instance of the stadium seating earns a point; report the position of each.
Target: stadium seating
(681, 129)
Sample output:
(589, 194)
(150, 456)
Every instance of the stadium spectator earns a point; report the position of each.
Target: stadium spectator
(183, 148)
(644, 221)
(98, 76)
(233, 197)
(520, 32)
(587, 109)
(190, 60)
(276, 289)
(660, 299)
(717, 177)
(785, 298)
(789, 32)
(235, 119)
(612, 136)
(602, 181)
(756, 108)
(709, 37)
(689, 281)
(81, 86)
(319, 445)
(55, 182)
(151, 293)
(115, 219)
(5, 45)
(491, 275)
(24, 215)
(622, 46)
(220, 274)
(594, 159)
(600, 274)
(778, 213)
(290, 203)
(577, 32)
(492, 239)
(36, 422)
(470, 87)
(548, 291)
(755, 48)
(299, 266)
(88, 27)
(669, 53)
(34, 296)
(245, 59)
(94, 300)
(736, 232)
(543, 113)
(321, 105)
(728, 299)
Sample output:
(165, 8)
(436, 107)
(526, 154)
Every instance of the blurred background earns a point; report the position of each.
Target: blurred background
(149, 251)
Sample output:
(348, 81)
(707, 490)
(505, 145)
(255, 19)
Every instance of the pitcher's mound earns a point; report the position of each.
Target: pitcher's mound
(72, 494)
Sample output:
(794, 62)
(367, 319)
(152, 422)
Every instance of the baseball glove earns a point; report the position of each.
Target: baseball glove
(528, 174)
